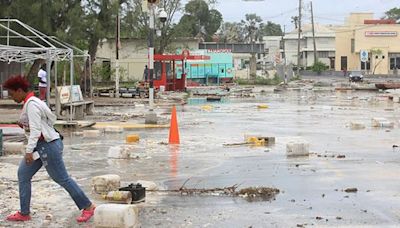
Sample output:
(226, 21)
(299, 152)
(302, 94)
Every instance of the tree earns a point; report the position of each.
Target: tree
(271, 29)
(393, 14)
(252, 27)
(60, 18)
(231, 32)
(199, 20)
(377, 53)
(135, 22)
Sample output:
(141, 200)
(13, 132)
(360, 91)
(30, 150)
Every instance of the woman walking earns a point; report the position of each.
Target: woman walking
(38, 119)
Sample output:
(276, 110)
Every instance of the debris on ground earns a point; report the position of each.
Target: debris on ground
(254, 141)
(250, 193)
(351, 190)
(263, 193)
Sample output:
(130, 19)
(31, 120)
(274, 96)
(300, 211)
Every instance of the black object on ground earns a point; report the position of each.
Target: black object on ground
(138, 192)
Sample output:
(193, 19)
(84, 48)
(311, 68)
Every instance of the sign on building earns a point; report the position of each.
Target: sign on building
(381, 33)
(364, 56)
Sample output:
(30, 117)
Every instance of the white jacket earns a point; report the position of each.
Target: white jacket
(38, 119)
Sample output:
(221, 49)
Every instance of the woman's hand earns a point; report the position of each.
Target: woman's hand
(28, 158)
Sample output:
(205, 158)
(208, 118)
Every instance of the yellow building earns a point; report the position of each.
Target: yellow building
(372, 46)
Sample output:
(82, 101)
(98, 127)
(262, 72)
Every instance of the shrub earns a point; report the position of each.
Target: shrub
(319, 67)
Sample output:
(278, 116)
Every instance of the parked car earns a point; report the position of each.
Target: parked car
(356, 76)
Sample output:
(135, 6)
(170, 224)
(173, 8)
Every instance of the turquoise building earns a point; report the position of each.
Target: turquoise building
(219, 68)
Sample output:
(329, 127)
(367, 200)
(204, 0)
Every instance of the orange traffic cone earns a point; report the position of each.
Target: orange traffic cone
(173, 129)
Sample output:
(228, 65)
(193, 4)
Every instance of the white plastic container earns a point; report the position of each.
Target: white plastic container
(116, 216)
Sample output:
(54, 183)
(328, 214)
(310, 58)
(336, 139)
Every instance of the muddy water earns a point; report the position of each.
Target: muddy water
(312, 188)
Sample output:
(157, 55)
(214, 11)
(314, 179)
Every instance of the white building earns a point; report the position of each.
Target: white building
(325, 45)
(272, 45)
(132, 56)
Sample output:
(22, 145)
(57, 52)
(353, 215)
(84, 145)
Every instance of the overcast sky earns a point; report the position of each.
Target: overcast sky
(281, 11)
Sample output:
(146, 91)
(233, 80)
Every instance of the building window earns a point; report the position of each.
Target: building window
(353, 45)
(323, 54)
(366, 65)
(395, 63)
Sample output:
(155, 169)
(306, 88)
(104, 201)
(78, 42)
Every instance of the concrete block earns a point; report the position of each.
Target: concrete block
(382, 122)
(91, 133)
(114, 129)
(106, 183)
(13, 148)
(132, 138)
(297, 149)
(116, 216)
(151, 118)
(356, 126)
(149, 185)
(119, 152)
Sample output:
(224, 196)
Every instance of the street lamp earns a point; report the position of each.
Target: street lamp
(151, 117)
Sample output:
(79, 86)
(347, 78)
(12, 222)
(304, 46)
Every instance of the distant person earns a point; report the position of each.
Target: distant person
(42, 75)
(146, 73)
(344, 72)
(45, 142)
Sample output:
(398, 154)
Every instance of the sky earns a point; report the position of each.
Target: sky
(281, 11)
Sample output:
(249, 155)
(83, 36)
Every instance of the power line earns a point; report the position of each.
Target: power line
(281, 14)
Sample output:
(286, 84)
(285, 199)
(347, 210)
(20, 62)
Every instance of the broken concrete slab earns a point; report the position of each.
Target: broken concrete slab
(297, 149)
(356, 126)
(106, 183)
(13, 148)
(149, 185)
(120, 152)
(382, 122)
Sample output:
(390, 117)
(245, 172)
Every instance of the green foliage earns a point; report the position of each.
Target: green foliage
(319, 67)
(271, 29)
(259, 81)
(252, 28)
(393, 14)
(101, 73)
(199, 20)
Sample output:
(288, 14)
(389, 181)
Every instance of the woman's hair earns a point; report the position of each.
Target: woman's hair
(17, 82)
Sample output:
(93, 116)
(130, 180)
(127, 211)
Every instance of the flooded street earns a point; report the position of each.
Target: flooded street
(312, 188)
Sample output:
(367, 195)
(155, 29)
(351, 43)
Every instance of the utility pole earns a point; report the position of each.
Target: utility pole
(151, 55)
(151, 116)
(284, 55)
(313, 34)
(117, 46)
(298, 40)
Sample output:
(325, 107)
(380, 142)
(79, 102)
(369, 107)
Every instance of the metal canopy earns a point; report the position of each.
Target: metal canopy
(33, 44)
(21, 43)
